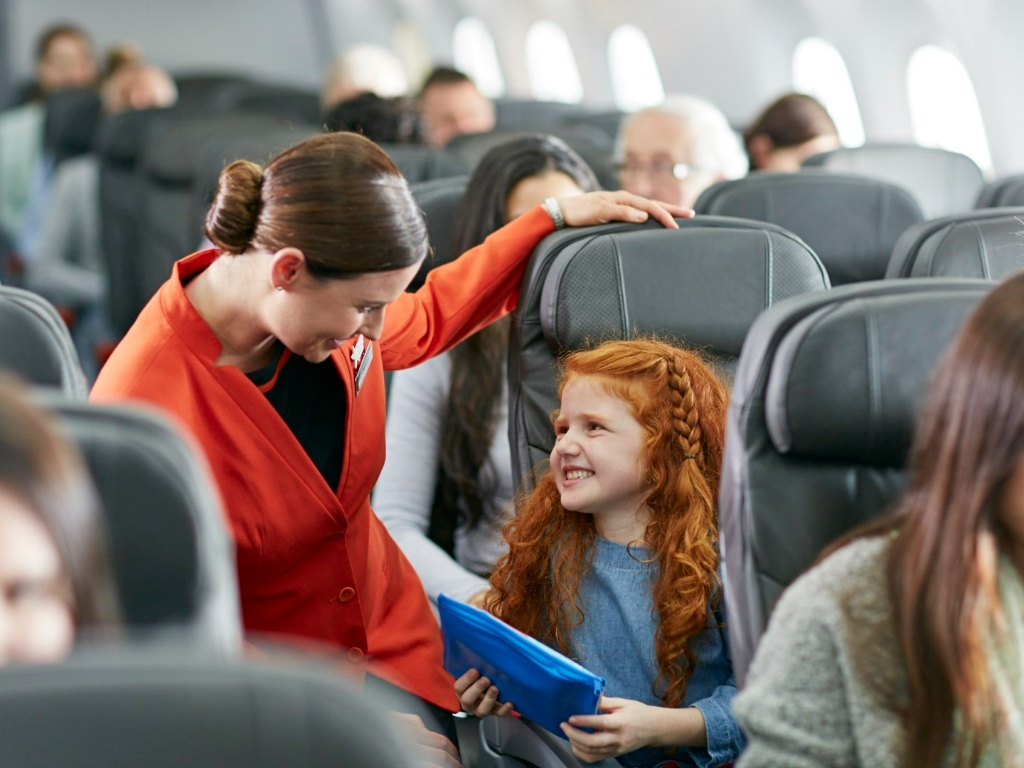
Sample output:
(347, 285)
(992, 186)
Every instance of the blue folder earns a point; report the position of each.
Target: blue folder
(542, 684)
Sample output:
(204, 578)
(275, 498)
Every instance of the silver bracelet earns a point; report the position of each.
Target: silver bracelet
(554, 210)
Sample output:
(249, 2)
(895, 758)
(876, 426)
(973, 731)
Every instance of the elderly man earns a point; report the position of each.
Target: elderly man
(674, 151)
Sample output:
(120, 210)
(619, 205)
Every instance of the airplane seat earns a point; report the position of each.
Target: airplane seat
(1002, 193)
(819, 423)
(851, 222)
(119, 145)
(607, 122)
(173, 149)
(508, 742)
(440, 201)
(984, 243)
(419, 164)
(36, 344)
(173, 558)
(589, 142)
(164, 712)
(943, 182)
(702, 285)
(534, 115)
(71, 123)
(283, 101)
(209, 91)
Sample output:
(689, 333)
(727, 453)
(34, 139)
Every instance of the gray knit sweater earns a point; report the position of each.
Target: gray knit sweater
(827, 681)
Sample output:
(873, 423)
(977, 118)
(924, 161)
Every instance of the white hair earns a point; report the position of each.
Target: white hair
(364, 68)
(716, 146)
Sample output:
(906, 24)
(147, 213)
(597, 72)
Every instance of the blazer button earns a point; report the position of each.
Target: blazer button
(346, 594)
(356, 655)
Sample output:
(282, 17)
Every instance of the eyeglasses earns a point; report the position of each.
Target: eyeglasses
(661, 170)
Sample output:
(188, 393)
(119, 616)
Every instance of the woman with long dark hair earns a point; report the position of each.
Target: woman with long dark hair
(448, 474)
(905, 647)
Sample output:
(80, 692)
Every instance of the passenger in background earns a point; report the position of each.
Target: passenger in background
(363, 69)
(55, 573)
(788, 131)
(383, 120)
(64, 59)
(448, 475)
(905, 646)
(613, 558)
(676, 150)
(67, 267)
(452, 105)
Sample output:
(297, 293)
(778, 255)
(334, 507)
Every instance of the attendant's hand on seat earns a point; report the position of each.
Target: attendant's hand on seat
(433, 749)
(479, 697)
(602, 207)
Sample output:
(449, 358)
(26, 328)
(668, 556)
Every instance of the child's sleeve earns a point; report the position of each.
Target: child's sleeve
(725, 740)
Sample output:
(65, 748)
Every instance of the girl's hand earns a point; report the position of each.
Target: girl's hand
(479, 697)
(602, 207)
(626, 726)
(434, 749)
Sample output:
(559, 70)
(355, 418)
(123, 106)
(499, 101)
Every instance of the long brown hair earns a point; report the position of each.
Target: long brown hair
(942, 566)
(681, 404)
(478, 362)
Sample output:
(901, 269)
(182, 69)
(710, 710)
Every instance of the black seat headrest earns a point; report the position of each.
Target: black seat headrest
(36, 345)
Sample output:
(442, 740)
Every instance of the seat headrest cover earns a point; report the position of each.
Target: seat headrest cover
(728, 274)
(847, 380)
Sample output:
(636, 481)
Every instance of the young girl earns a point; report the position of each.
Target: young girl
(612, 558)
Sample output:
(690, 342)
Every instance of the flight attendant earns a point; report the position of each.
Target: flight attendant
(271, 349)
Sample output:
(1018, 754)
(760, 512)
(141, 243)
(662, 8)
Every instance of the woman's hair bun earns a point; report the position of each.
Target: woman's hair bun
(231, 220)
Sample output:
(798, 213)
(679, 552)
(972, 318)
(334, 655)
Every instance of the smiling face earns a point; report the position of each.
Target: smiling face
(314, 317)
(36, 621)
(598, 460)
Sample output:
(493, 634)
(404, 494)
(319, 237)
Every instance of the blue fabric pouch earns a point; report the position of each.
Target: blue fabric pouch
(544, 685)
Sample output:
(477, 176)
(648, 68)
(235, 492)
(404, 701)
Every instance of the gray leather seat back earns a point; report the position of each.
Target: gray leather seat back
(702, 285)
(440, 201)
(424, 164)
(119, 146)
(984, 243)
(1002, 193)
(943, 182)
(173, 558)
(821, 416)
(850, 221)
(164, 714)
(36, 345)
(72, 119)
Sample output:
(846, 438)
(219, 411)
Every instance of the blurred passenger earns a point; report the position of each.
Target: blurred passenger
(64, 59)
(447, 429)
(67, 265)
(363, 69)
(55, 574)
(452, 105)
(385, 121)
(905, 646)
(676, 150)
(788, 131)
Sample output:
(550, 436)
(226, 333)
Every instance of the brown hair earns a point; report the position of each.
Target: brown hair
(942, 566)
(336, 197)
(681, 404)
(790, 120)
(47, 474)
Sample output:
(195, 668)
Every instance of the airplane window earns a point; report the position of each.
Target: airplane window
(411, 46)
(819, 70)
(551, 65)
(636, 81)
(475, 54)
(943, 107)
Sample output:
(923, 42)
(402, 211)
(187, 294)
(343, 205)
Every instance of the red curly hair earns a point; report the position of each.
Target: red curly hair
(681, 403)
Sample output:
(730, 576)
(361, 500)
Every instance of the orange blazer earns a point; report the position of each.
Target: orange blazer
(314, 561)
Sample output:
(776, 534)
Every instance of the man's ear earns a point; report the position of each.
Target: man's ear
(286, 266)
